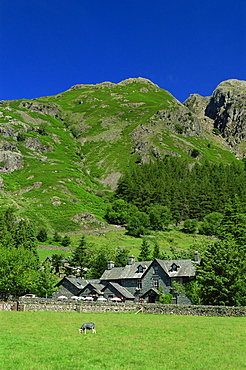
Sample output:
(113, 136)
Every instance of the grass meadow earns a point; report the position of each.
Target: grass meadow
(50, 341)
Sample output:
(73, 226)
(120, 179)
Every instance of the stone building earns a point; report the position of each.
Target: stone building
(136, 281)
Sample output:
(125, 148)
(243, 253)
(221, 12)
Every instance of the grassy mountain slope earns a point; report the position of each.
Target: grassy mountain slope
(59, 155)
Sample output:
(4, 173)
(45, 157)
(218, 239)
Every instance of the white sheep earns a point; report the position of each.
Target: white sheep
(89, 326)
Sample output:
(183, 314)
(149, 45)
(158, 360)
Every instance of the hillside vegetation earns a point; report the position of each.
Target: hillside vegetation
(61, 156)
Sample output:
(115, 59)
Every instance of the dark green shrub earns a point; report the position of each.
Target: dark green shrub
(66, 241)
(195, 153)
(21, 136)
(42, 235)
(190, 226)
(216, 131)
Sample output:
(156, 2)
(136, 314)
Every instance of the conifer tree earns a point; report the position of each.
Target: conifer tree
(156, 250)
(80, 255)
(121, 257)
(233, 225)
(42, 235)
(66, 241)
(144, 254)
(98, 266)
(221, 275)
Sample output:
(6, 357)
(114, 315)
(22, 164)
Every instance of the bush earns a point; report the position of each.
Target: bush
(190, 226)
(195, 153)
(66, 241)
(21, 136)
(56, 237)
(210, 223)
(166, 299)
(216, 131)
(42, 235)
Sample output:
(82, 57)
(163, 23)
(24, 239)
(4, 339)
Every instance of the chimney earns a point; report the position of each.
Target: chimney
(131, 259)
(196, 256)
(110, 265)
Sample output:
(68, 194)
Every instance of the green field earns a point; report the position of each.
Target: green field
(50, 340)
(111, 240)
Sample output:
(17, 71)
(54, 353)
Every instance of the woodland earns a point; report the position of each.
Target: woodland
(207, 199)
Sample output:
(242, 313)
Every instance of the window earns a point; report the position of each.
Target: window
(139, 284)
(156, 283)
(155, 270)
(140, 268)
(174, 267)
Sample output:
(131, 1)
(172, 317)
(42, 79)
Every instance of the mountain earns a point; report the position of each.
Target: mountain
(227, 110)
(61, 155)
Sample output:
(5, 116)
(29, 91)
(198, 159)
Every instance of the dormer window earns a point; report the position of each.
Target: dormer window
(140, 268)
(174, 267)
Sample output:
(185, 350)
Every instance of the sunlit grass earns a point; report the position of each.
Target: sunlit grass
(41, 340)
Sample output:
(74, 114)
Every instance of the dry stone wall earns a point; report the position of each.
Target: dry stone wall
(42, 304)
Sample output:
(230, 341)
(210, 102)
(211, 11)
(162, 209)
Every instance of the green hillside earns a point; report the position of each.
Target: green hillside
(61, 155)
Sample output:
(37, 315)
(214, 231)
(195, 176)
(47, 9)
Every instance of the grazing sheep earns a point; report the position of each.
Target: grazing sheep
(89, 326)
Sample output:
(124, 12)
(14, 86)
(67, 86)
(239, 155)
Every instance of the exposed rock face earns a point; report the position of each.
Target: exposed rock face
(35, 144)
(180, 120)
(8, 145)
(10, 161)
(198, 104)
(227, 107)
(225, 110)
(48, 108)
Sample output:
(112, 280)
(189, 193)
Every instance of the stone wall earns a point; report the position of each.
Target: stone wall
(65, 305)
(42, 304)
(176, 309)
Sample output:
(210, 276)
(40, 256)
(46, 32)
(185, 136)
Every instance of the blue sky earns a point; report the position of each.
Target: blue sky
(185, 47)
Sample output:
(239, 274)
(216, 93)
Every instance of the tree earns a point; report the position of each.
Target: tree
(98, 266)
(57, 262)
(56, 237)
(42, 235)
(164, 298)
(9, 218)
(6, 239)
(121, 257)
(138, 224)
(190, 226)
(20, 234)
(159, 217)
(45, 281)
(233, 225)
(31, 243)
(211, 223)
(156, 251)
(18, 267)
(119, 212)
(66, 241)
(192, 290)
(80, 255)
(42, 130)
(221, 275)
(144, 251)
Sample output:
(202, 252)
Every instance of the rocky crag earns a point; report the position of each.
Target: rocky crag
(225, 110)
(77, 144)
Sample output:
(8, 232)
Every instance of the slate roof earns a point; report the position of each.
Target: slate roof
(96, 286)
(126, 272)
(123, 291)
(150, 290)
(184, 267)
(79, 283)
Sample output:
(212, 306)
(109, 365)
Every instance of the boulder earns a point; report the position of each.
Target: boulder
(10, 161)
